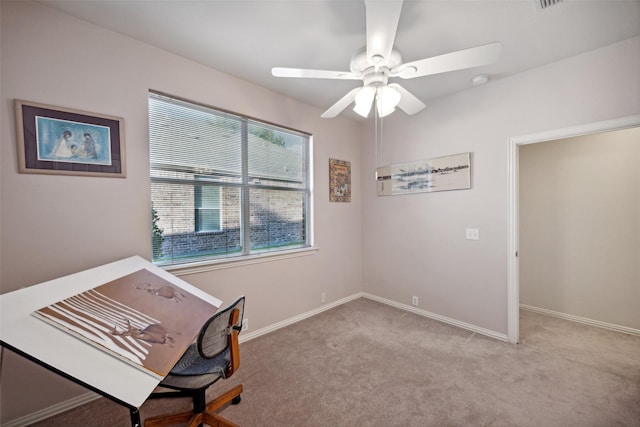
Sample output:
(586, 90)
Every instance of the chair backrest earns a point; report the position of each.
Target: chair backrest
(221, 333)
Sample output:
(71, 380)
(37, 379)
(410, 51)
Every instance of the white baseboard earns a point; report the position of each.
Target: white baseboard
(246, 336)
(584, 320)
(443, 319)
(448, 320)
(56, 409)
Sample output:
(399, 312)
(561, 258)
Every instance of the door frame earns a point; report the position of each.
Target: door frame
(513, 271)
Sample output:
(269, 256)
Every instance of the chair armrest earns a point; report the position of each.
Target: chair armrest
(234, 345)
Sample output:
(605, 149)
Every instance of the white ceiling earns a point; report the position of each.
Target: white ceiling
(248, 38)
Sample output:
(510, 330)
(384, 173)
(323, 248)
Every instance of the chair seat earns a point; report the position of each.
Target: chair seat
(194, 372)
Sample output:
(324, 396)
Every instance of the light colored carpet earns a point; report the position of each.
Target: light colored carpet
(369, 364)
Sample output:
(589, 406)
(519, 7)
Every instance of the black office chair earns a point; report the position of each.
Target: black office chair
(214, 355)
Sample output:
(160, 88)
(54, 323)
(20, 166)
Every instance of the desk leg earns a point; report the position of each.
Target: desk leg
(135, 417)
(134, 412)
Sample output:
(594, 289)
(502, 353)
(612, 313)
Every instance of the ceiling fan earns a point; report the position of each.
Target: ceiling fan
(379, 61)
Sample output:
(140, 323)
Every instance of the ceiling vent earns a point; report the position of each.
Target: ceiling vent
(543, 4)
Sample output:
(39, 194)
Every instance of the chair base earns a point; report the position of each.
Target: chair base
(207, 417)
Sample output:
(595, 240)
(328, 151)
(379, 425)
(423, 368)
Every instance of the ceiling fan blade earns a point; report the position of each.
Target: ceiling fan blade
(343, 103)
(382, 23)
(408, 102)
(462, 59)
(313, 74)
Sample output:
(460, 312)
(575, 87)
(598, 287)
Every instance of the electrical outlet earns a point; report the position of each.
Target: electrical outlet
(323, 297)
(245, 325)
(473, 234)
(414, 301)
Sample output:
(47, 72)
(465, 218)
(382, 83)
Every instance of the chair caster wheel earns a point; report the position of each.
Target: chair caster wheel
(236, 400)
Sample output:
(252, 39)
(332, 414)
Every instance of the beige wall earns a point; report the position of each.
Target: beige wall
(580, 226)
(57, 225)
(415, 244)
(393, 247)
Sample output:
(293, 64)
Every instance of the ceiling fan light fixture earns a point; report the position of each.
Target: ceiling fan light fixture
(364, 100)
(387, 99)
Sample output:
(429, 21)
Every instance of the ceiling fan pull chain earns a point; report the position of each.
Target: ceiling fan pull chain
(378, 137)
(375, 124)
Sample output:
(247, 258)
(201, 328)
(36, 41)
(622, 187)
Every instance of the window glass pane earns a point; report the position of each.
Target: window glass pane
(275, 157)
(277, 219)
(187, 139)
(207, 205)
(179, 240)
(207, 219)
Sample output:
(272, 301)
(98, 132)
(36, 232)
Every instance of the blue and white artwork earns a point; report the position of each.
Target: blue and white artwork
(73, 142)
(437, 174)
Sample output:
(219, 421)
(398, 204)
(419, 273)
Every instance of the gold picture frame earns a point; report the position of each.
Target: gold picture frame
(339, 180)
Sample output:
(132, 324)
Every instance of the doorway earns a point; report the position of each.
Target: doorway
(513, 284)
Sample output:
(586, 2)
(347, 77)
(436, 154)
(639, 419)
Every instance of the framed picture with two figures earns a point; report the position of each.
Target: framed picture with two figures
(57, 140)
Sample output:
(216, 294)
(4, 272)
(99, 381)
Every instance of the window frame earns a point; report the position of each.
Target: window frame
(246, 255)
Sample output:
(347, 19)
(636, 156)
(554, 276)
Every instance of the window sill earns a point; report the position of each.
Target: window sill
(208, 232)
(204, 266)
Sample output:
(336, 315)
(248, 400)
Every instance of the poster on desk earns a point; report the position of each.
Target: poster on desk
(140, 318)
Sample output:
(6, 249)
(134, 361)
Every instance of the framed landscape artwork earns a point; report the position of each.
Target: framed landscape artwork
(339, 181)
(56, 140)
(437, 174)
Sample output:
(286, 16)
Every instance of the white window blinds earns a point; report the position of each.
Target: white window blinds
(224, 185)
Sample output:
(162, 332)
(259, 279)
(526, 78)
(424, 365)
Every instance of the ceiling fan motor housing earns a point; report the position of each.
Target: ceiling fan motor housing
(374, 74)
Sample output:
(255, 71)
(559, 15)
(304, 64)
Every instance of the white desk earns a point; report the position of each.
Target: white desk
(69, 356)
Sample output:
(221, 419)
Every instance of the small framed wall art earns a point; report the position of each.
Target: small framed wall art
(339, 181)
(56, 140)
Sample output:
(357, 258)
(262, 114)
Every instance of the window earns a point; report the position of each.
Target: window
(207, 207)
(224, 185)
